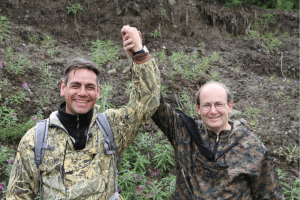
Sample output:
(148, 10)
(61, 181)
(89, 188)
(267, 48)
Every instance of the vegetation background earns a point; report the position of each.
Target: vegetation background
(252, 46)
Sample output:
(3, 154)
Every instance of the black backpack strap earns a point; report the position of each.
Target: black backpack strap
(192, 129)
(41, 135)
(233, 144)
(110, 146)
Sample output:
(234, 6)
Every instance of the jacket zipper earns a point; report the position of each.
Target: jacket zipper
(216, 146)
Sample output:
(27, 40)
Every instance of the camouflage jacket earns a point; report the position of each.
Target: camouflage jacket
(244, 172)
(88, 173)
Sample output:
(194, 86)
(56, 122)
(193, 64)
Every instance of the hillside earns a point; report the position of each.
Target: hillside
(255, 52)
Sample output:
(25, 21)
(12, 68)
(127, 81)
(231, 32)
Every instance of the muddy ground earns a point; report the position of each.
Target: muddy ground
(267, 84)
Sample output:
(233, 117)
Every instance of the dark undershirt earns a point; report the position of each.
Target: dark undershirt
(76, 125)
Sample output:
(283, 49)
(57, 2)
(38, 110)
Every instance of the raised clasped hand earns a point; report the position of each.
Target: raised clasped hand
(132, 39)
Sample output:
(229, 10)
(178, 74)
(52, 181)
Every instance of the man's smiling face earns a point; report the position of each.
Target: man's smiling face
(81, 91)
(216, 118)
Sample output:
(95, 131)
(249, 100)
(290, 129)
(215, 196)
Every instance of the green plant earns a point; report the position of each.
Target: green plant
(285, 34)
(73, 8)
(290, 189)
(214, 76)
(162, 55)
(236, 70)
(144, 142)
(291, 152)
(105, 95)
(286, 5)
(155, 34)
(141, 162)
(251, 112)
(17, 98)
(7, 116)
(134, 182)
(268, 18)
(5, 154)
(164, 154)
(162, 12)
(290, 70)
(279, 94)
(27, 14)
(190, 66)
(4, 29)
(86, 42)
(44, 99)
(272, 78)
(202, 47)
(48, 42)
(48, 81)
(271, 45)
(157, 191)
(188, 104)
(164, 90)
(128, 85)
(33, 39)
(103, 52)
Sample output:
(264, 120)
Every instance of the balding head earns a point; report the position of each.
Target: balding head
(214, 84)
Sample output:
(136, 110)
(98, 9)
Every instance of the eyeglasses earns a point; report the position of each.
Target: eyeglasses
(218, 106)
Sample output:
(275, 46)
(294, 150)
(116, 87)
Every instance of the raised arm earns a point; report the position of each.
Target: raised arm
(144, 96)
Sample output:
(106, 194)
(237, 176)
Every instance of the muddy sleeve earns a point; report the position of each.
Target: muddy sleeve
(166, 119)
(143, 102)
(266, 184)
(24, 180)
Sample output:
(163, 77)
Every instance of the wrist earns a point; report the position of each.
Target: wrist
(143, 50)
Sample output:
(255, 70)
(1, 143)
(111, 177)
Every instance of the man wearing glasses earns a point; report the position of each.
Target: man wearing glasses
(217, 158)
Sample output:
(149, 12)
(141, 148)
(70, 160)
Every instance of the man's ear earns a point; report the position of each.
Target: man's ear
(98, 91)
(63, 88)
(198, 108)
(230, 105)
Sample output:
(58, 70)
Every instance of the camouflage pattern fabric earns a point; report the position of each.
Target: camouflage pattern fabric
(245, 172)
(87, 173)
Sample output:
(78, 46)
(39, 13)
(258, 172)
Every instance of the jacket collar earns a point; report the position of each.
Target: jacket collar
(54, 120)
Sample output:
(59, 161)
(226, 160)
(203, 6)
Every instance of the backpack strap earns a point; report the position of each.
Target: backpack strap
(41, 135)
(232, 145)
(110, 146)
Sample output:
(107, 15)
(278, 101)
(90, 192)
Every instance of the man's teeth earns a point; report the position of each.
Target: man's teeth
(82, 101)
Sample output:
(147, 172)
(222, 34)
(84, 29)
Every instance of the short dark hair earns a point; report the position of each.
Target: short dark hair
(228, 93)
(80, 63)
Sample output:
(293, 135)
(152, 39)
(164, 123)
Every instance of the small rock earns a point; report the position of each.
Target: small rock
(172, 2)
(126, 69)
(234, 112)
(113, 71)
(27, 99)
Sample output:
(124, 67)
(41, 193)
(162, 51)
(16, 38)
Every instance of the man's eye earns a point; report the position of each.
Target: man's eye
(219, 105)
(206, 106)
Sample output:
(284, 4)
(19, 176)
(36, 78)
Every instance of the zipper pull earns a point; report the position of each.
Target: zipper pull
(218, 136)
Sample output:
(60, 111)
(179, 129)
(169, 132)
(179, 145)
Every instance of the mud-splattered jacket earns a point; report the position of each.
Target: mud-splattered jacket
(87, 173)
(244, 172)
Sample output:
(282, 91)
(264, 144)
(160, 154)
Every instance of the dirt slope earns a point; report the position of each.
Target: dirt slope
(268, 100)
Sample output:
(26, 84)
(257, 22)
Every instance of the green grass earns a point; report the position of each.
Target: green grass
(147, 179)
(103, 52)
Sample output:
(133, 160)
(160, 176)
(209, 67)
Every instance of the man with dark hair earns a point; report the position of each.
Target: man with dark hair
(77, 167)
(217, 158)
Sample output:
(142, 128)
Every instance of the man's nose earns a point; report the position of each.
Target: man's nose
(213, 109)
(82, 91)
